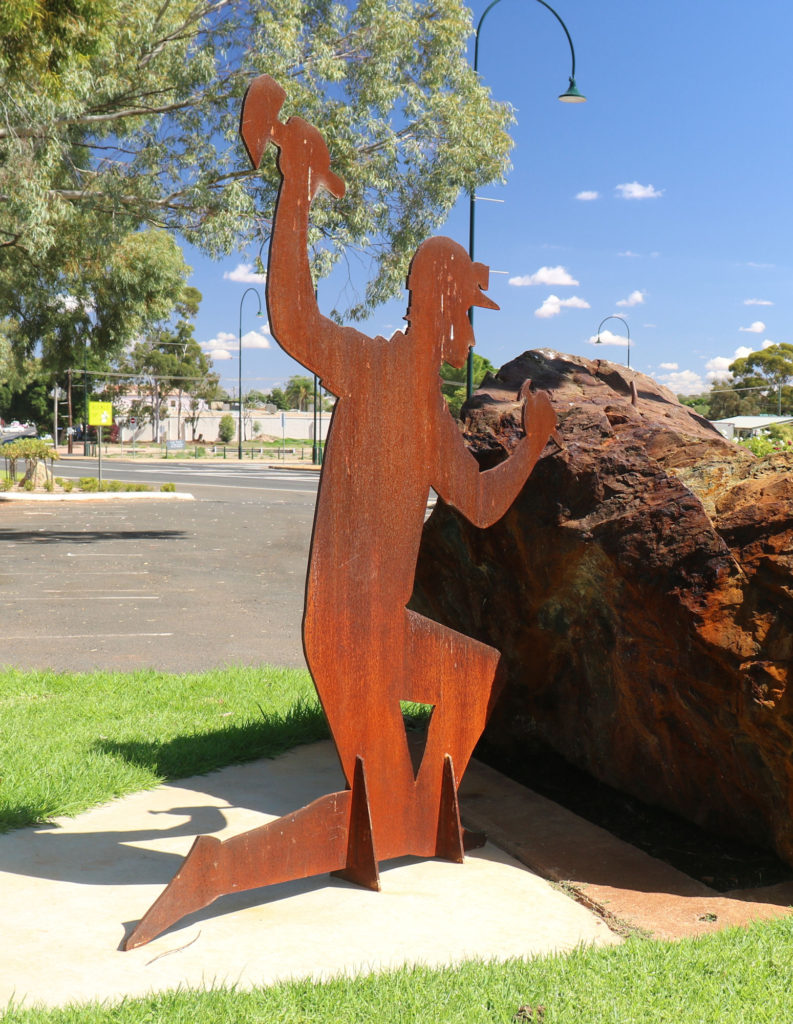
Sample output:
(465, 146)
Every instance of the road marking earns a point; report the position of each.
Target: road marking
(86, 636)
(96, 572)
(115, 590)
(103, 554)
(95, 597)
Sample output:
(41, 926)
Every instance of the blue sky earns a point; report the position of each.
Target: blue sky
(664, 199)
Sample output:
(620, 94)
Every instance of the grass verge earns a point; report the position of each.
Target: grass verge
(734, 977)
(69, 742)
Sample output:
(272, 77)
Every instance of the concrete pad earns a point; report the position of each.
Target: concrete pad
(624, 884)
(70, 894)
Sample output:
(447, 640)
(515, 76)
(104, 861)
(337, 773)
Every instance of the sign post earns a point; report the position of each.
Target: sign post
(100, 414)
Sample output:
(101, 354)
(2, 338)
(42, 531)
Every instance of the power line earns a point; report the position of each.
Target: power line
(132, 376)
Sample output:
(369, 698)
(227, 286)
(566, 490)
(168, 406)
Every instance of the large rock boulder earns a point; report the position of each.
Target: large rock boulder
(641, 591)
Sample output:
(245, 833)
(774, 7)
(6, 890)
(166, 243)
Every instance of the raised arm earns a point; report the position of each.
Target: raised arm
(304, 162)
(484, 497)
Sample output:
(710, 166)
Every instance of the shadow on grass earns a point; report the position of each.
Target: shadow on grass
(111, 852)
(197, 754)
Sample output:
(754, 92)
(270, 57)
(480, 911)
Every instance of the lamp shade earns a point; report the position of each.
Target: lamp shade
(572, 95)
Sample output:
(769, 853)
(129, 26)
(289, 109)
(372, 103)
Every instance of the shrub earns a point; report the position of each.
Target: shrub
(88, 483)
(170, 488)
(200, 452)
(32, 450)
(226, 428)
(68, 485)
(760, 446)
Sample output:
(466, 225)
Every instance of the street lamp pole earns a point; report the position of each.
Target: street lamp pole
(86, 448)
(570, 95)
(614, 316)
(239, 422)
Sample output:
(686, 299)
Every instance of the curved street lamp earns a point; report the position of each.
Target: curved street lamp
(614, 316)
(570, 95)
(239, 423)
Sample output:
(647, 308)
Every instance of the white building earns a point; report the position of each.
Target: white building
(737, 427)
(257, 423)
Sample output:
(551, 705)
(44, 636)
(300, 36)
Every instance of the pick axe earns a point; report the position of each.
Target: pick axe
(259, 125)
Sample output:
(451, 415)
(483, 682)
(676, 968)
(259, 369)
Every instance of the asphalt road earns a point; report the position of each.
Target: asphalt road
(188, 475)
(174, 585)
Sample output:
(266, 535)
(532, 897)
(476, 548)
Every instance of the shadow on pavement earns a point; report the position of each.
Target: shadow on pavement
(88, 536)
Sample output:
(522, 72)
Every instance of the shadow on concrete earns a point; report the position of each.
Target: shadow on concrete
(51, 536)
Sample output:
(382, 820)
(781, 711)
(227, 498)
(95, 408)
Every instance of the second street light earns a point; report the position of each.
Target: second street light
(570, 95)
(627, 331)
(239, 423)
(615, 316)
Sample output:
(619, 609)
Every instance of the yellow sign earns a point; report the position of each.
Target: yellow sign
(100, 414)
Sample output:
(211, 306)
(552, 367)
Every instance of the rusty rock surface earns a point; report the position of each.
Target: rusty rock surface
(641, 591)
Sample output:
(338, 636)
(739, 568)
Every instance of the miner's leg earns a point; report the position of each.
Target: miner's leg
(332, 834)
(457, 676)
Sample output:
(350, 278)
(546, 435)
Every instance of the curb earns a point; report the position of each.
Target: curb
(102, 496)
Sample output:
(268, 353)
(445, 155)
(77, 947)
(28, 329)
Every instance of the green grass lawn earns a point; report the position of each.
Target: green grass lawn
(735, 977)
(68, 742)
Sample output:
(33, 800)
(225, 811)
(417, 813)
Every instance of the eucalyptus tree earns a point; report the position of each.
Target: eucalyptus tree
(120, 114)
(168, 361)
(770, 368)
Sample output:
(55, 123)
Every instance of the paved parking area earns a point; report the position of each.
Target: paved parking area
(179, 586)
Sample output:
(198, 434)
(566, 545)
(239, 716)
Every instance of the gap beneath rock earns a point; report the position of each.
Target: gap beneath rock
(723, 864)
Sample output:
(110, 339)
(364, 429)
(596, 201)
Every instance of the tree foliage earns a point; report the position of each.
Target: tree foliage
(761, 382)
(454, 380)
(299, 393)
(773, 367)
(226, 428)
(168, 360)
(95, 303)
(119, 114)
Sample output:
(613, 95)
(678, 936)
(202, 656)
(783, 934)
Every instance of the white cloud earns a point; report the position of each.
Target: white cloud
(609, 338)
(633, 190)
(636, 298)
(757, 302)
(718, 368)
(222, 342)
(554, 276)
(244, 273)
(755, 328)
(630, 254)
(226, 345)
(588, 195)
(767, 343)
(256, 339)
(683, 382)
(760, 266)
(671, 366)
(553, 306)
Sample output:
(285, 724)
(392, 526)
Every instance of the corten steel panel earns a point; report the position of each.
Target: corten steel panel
(391, 440)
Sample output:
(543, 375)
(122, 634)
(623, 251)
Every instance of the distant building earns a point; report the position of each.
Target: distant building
(738, 427)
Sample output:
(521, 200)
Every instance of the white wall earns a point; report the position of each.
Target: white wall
(296, 424)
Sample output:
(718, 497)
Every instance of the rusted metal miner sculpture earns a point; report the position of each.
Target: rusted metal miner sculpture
(392, 439)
